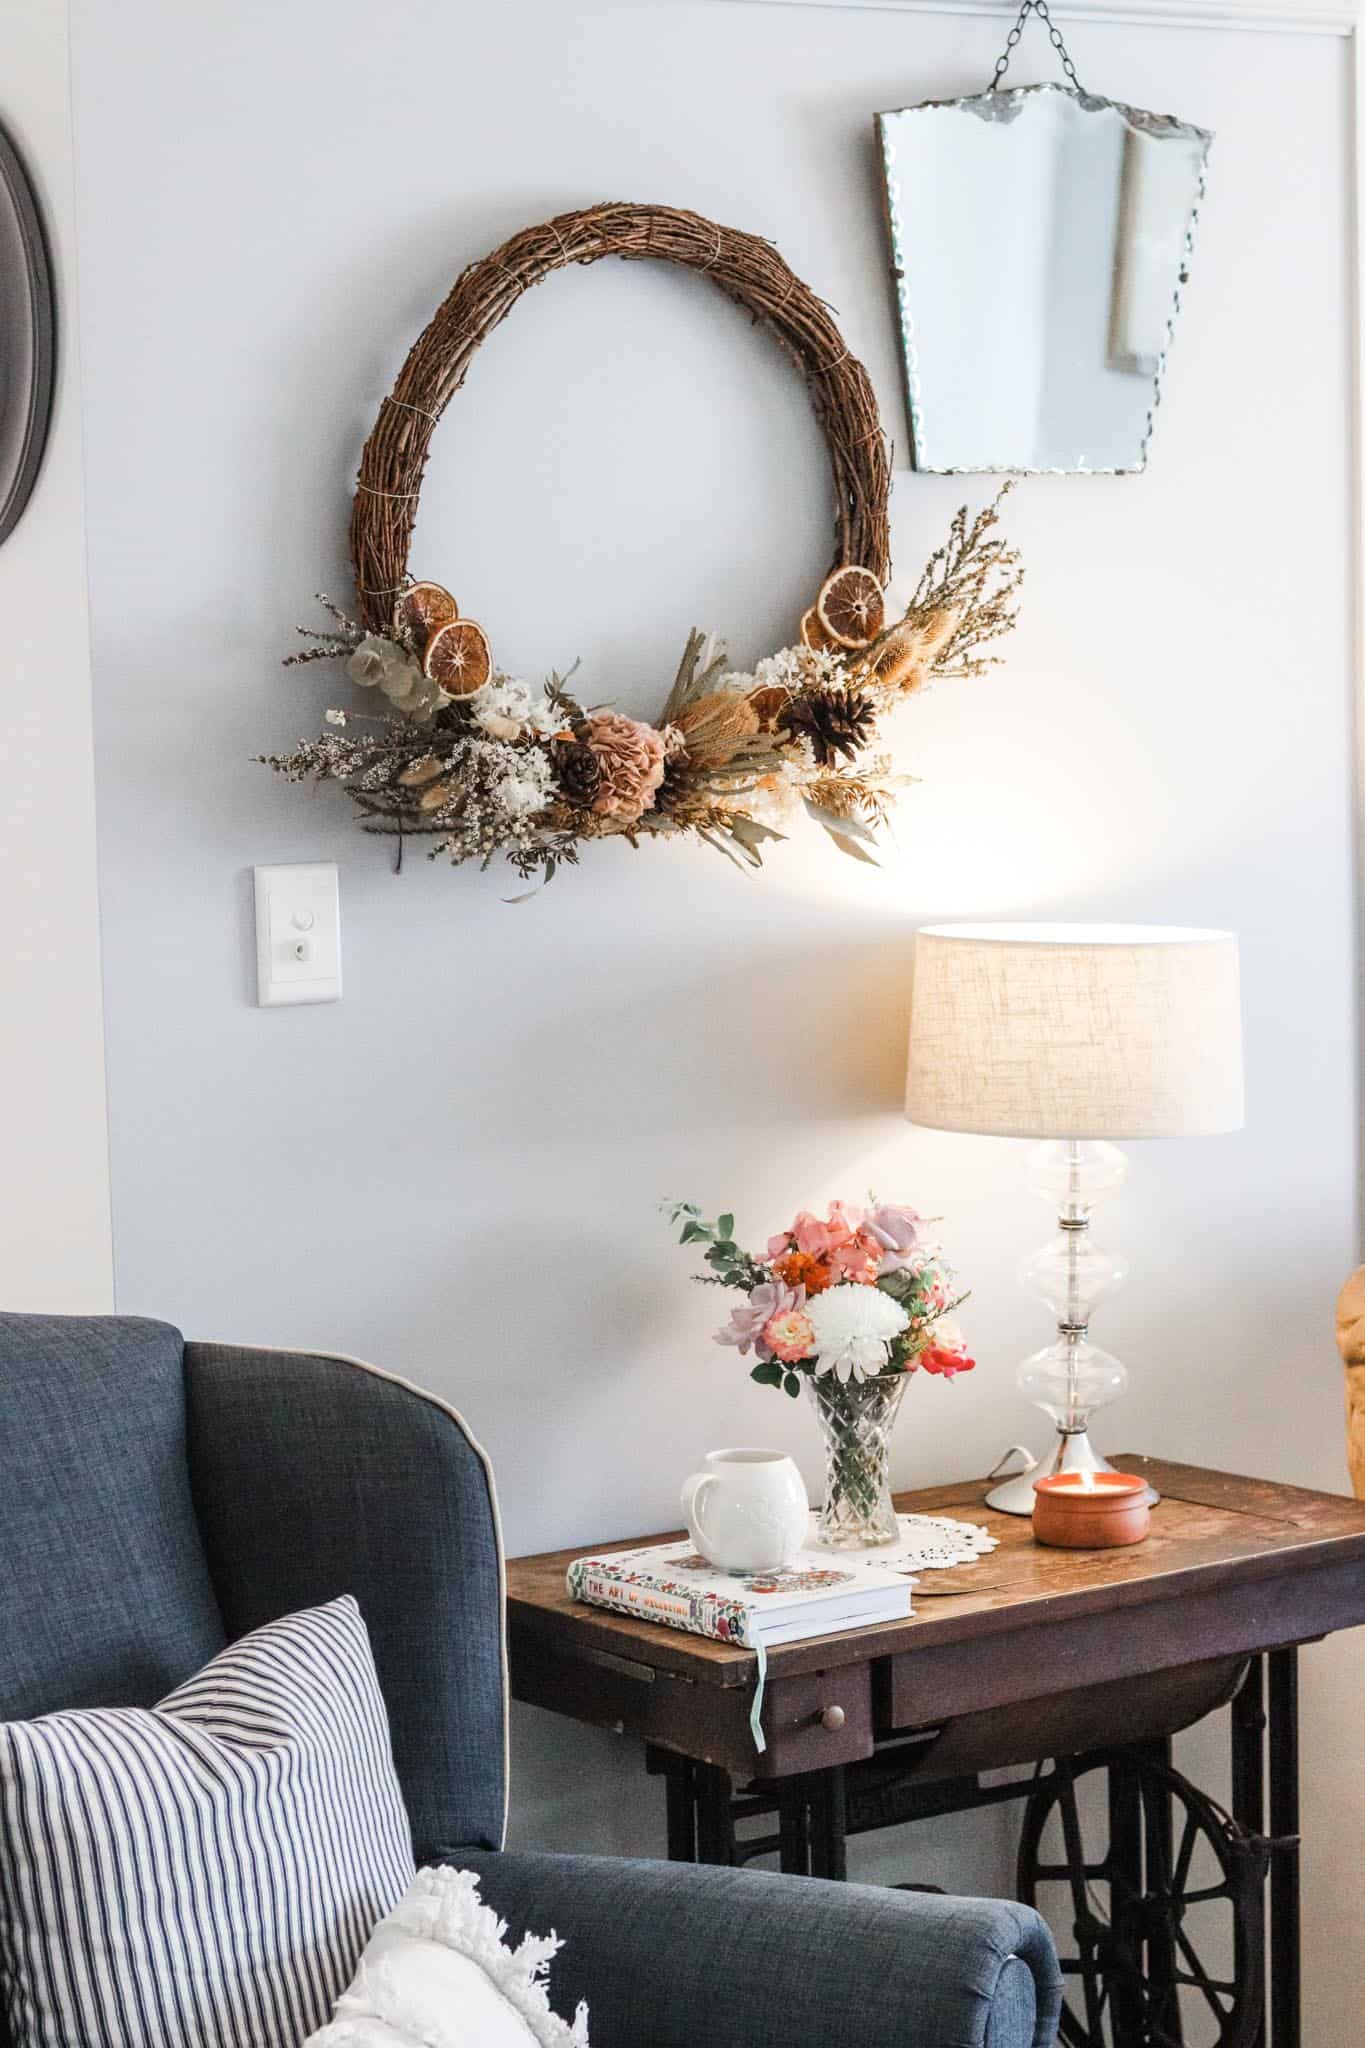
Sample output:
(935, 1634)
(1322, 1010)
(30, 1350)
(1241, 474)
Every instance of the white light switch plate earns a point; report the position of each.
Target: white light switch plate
(298, 934)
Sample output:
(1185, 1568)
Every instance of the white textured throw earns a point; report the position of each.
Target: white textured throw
(204, 1873)
(437, 1974)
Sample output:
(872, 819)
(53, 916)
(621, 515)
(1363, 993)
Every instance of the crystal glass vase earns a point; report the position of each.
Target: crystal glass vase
(857, 1418)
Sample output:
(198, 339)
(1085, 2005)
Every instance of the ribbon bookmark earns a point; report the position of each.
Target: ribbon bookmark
(756, 1710)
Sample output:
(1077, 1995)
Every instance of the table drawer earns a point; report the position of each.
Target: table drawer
(818, 1718)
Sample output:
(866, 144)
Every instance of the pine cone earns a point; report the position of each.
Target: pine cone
(677, 786)
(834, 721)
(579, 772)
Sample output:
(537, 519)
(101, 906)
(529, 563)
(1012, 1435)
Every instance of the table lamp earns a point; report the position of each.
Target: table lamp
(1074, 1034)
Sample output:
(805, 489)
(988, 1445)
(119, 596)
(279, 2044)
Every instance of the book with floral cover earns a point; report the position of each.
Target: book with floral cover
(814, 1595)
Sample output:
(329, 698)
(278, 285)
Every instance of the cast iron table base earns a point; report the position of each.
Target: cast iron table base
(1162, 1930)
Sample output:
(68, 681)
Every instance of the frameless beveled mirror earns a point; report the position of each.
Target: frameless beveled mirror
(1040, 237)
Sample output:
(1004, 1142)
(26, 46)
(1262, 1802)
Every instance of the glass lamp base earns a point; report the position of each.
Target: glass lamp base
(1074, 1452)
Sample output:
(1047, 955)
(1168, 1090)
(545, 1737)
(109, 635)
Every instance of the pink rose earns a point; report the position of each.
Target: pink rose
(779, 1245)
(746, 1328)
(897, 1231)
(895, 1228)
(790, 1336)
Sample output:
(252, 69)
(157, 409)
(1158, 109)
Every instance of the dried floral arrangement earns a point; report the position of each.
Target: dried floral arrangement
(485, 765)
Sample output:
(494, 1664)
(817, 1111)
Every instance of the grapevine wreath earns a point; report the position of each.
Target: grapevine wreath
(485, 764)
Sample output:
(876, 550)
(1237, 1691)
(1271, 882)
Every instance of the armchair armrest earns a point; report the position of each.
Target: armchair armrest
(689, 1956)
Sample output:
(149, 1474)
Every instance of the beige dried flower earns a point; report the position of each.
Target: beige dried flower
(630, 758)
(715, 726)
(420, 773)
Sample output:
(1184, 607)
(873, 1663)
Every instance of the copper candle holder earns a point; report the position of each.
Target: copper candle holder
(1090, 1510)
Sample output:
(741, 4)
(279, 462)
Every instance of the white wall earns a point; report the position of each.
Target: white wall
(455, 1169)
(54, 1180)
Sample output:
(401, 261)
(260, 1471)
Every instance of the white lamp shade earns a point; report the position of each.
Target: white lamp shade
(1075, 1031)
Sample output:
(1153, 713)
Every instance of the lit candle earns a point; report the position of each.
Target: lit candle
(1090, 1510)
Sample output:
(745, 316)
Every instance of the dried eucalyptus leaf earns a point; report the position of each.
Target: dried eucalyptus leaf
(734, 850)
(851, 847)
(838, 826)
(742, 826)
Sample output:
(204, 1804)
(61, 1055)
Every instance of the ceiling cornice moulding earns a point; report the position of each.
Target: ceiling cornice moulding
(1284, 17)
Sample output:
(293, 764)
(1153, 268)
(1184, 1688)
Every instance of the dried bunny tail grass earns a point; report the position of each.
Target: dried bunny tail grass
(904, 658)
(747, 269)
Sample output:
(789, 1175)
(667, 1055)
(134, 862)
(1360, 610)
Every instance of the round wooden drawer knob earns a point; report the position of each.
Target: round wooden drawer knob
(832, 1718)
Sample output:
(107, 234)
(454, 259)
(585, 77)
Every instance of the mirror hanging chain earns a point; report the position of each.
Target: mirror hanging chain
(1040, 8)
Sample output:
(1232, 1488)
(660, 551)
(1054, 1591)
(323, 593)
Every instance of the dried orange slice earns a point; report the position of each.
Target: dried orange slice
(850, 606)
(813, 634)
(457, 658)
(422, 609)
(768, 703)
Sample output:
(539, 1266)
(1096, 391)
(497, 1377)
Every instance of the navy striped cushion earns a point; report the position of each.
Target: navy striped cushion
(203, 1873)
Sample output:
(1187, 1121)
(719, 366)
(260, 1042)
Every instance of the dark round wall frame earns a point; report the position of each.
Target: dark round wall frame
(28, 338)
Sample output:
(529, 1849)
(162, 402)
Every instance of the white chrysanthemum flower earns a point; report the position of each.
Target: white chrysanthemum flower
(853, 1327)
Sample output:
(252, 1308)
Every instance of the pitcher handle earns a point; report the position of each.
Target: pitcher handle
(693, 1493)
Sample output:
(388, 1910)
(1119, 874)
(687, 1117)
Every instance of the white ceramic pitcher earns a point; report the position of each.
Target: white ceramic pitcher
(746, 1511)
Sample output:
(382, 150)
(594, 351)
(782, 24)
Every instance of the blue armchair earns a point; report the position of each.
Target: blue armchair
(159, 1498)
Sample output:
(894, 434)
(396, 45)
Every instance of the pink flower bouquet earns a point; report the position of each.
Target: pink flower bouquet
(856, 1295)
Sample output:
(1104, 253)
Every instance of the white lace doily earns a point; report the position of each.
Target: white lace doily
(930, 1543)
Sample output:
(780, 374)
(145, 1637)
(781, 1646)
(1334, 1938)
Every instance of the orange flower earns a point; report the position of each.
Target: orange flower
(803, 1269)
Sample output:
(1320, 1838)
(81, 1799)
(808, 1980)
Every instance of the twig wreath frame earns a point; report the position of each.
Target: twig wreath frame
(746, 269)
(473, 757)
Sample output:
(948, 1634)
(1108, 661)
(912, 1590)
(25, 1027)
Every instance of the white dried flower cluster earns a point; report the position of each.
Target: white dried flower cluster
(853, 1328)
(507, 709)
(791, 668)
(382, 664)
(527, 787)
(502, 789)
(774, 801)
